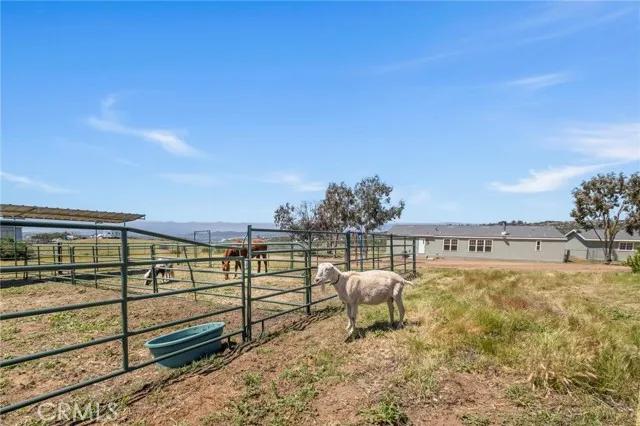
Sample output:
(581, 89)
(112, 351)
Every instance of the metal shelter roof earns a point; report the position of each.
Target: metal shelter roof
(36, 212)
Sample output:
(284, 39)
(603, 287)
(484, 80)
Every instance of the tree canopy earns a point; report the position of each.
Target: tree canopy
(608, 203)
(365, 207)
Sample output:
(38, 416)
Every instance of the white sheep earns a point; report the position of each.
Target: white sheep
(369, 288)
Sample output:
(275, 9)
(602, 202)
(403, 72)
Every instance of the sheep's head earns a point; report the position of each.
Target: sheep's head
(327, 273)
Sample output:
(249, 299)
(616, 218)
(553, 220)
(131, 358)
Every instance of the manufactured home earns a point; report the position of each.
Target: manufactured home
(516, 242)
(587, 245)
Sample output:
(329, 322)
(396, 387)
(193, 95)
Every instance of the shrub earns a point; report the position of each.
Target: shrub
(10, 249)
(634, 261)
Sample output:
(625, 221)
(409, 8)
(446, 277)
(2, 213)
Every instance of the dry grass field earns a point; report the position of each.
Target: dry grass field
(480, 347)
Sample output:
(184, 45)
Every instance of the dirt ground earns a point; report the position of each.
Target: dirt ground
(305, 373)
(521, 265)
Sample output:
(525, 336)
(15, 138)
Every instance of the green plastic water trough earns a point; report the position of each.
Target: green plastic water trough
(185, 338)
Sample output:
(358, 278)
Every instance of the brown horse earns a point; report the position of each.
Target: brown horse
(257, 251)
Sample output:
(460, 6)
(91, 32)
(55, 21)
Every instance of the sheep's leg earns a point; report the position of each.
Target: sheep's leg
(348, 317)
(400, 310)
(390, 305)
(353, 316)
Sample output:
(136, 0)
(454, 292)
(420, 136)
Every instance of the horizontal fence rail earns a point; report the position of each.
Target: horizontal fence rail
(250, 292)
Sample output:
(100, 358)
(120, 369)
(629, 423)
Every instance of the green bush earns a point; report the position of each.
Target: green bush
(634, 261)
(13, 250)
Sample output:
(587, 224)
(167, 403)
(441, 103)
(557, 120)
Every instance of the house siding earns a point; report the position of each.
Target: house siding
(592, 250)
(506, 249)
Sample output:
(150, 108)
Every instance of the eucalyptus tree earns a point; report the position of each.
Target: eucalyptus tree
(608, 203)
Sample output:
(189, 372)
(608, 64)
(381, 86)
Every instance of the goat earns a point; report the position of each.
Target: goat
(368, 288)
(164, 269)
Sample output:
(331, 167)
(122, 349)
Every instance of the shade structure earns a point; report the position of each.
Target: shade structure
(76, 215)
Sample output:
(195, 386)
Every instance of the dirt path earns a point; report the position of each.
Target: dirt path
(521, 266)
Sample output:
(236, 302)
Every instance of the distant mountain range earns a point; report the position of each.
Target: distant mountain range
(219, 230)
(227, 230)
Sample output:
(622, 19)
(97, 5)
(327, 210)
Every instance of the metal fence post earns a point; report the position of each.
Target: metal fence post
(124, 269)
(307, 277)
(391, 245)
(95, 269)
(246, 318)
(38, 251)
(405, 255)
(347, 250)
(373, 251)
(413, 254)
(72, 259)
(291, 257)
(362, 247)
(248, 263)
(15, 246)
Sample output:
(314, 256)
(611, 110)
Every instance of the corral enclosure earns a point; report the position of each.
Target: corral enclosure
(78, 313)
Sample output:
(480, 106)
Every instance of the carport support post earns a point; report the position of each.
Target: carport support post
(124, 267)
(248, 268)
(391, 246)
(347, 250)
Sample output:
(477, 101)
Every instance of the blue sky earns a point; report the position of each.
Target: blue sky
(474, 112)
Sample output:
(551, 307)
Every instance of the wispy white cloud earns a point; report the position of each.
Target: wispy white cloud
(545, 180)
(552, 21)
(565, 24)
(168, 140)
(615, 143)
(537, 82)
(30, 183)
(192, 179)
(618, 142)
(295, 182)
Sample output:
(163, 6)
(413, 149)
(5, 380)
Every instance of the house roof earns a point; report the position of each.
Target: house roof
(34, 212)
(484, 231)
(590, 235)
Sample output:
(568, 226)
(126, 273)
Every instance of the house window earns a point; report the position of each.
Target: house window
(480, 245)
(625, 246)
(538, 245)
(450, 244)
